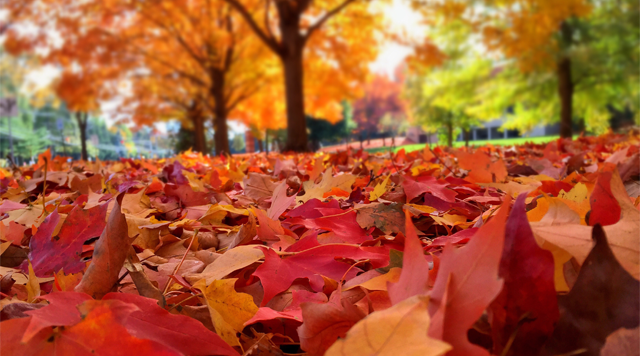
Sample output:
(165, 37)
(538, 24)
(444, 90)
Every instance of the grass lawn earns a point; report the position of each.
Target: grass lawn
(502, 142)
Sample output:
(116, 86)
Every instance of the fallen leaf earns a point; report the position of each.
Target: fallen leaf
(179, 332)
(387, 217)
(258, 186)
(482, 169)
(622, 342)
(280, 202)
(229, 309)
(399, 330)
(232, 260)
(109, 254)
(316, 191)
(561, 227)
(413, 278)
(604, 298)
(324, 323)
(527, 306)
(379, 189)
(312, 264)
(605, 209)
(51, 254)
(466, 283)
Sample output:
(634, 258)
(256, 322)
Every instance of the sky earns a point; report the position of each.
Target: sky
(401, 18)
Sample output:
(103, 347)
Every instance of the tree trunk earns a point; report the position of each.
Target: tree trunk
(291, 56)
(221, 132)
(197, 119)
(450, 134)
(467, 137)
(565, 90)
(260, 145)
(266, 141)
(82, 125)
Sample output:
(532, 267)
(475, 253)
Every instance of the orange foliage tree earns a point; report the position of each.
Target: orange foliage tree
(537, 34)
(287, 28)
(180, 59)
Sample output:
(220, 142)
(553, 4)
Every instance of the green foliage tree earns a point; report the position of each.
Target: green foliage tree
(567, 62)
(444, 97)
(238, 143)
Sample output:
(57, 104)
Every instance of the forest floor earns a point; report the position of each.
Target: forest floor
(462, 250)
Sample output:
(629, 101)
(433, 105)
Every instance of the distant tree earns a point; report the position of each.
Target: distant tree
(348, 125)
(338, 36)
(238, 143)
(561, 60)
(382, 96)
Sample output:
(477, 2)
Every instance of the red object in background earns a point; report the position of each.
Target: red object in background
(249, 142)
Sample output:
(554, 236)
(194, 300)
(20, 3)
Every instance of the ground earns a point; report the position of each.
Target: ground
(327, 253)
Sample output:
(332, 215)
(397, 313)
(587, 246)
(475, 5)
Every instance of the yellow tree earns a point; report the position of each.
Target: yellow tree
(539, 35)
(339, 32)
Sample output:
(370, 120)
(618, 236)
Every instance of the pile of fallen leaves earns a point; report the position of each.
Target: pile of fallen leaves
(520, 250)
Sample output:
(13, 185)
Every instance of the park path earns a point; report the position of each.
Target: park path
(374, 143)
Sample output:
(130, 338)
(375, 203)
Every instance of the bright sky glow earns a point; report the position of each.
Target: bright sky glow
(401, 19)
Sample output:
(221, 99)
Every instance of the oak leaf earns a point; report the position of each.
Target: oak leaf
(317, 191)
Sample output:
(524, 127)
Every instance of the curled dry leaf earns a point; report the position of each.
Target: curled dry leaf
(109, 255)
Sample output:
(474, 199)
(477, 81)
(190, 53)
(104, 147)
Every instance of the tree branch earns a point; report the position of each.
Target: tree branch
(270, 42)
(326, 17)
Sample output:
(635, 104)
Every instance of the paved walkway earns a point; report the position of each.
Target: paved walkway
(374, 143)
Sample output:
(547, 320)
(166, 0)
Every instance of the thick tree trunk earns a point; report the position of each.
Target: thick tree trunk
(291, 55)
(294, 93)
(82, 125)
(449, 134)
(266, 141)
(220, 130)
(565, 90)
(197, 119)
(467, 137)
(260, 145)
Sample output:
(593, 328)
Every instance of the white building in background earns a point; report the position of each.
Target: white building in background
(488, 131)
(491, 131)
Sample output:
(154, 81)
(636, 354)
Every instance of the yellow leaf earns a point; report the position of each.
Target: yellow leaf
(379, 190)
(399, 330)
(328, 182)
(380, 282)
(4, 246)
(450, 219)
(232, 260)
(578, 193)
(194, 181)
(229, 309)
(33, 285)
(417, 209)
